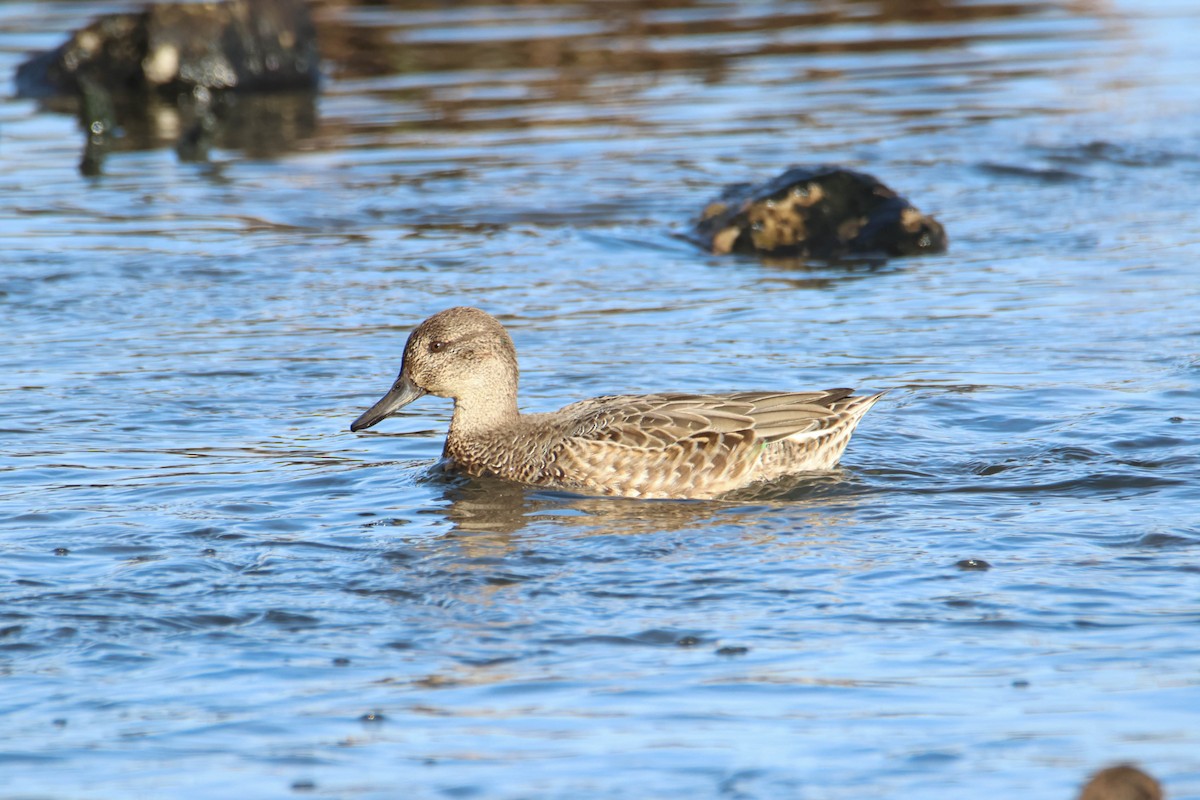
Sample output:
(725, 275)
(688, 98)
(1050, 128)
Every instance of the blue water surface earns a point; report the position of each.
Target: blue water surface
(210, 588)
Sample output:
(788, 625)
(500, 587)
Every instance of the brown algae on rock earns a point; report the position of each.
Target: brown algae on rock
(817, 212)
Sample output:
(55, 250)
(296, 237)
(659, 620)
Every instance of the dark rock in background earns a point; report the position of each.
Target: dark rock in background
(237, 73)
(242, 45)
(818, 212)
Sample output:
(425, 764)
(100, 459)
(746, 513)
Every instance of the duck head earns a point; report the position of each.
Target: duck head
(462, 353)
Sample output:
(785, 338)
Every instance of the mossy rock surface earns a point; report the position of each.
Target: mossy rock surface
(817, 212)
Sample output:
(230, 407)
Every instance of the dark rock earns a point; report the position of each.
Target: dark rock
(732, 650)
(817, 212)
(238, 74)
(243, 45)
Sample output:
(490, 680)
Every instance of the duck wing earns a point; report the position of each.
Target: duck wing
(672, 445)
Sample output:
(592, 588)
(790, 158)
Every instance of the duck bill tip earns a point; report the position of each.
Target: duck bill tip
(403, 392)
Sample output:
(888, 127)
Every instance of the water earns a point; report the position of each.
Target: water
(212, 589)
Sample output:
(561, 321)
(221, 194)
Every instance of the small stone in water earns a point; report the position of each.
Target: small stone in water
(61, 551)
(973, 563)
(732, 651)
(688, 641)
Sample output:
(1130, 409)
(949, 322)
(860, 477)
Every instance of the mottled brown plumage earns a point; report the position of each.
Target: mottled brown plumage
(658, 445)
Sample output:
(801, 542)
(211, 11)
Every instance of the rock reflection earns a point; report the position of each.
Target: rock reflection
(819, 275)
(258, 125)
(581, 40)
(516, 64)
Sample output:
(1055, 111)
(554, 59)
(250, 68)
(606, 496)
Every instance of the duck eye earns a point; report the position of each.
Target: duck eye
(437, 347)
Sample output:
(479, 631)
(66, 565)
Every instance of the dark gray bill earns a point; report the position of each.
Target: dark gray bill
(403, 392)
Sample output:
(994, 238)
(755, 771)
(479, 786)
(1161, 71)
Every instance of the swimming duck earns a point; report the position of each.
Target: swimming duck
(668, 445)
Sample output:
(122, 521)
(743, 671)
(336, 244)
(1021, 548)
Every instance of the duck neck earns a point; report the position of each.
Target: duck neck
(474, 415)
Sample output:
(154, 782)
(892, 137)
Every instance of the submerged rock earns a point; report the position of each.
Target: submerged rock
(243, 45)
(817, 212)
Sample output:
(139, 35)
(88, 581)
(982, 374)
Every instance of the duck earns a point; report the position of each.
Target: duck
(670, 445)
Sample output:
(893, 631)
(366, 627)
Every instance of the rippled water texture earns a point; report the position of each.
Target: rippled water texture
(211, 588)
